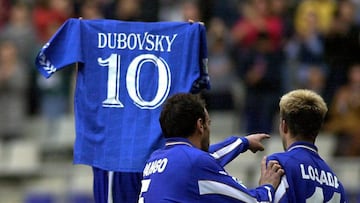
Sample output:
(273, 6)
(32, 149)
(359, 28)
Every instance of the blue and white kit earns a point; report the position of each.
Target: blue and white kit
(307, 177)
(180, 172)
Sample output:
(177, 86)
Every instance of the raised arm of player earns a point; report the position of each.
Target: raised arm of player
(231, 147)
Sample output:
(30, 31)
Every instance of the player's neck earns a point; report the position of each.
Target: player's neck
(195, 140)
(289, 140)
(292, 139)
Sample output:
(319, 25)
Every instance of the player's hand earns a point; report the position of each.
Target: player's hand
(271, 174)
(255, 141)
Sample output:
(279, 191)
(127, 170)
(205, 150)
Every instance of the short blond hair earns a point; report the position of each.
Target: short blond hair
(304, 112)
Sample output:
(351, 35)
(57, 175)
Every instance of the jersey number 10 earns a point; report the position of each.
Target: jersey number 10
(132, 81)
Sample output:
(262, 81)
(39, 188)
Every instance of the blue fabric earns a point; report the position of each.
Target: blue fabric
(181, 172)
(40, 198)
(229, 149)
(307, 175)
(125, 186)
(126, 70)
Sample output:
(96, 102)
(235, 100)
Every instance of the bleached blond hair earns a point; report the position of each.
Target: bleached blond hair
(304, 112)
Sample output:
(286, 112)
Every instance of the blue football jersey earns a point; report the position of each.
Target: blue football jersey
(307, 177)
(228, 149)
(180, 172)
(126, 70)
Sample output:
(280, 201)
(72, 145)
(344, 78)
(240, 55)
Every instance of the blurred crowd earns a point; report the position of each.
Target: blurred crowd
(258, 49)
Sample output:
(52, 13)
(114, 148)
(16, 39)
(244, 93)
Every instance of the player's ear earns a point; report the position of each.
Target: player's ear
(200, 124)
(284, 126)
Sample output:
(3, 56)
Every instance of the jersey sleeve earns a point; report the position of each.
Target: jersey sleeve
(215, 185)
(281, 191)
(63, 49)
(228, 149)
(203, 82)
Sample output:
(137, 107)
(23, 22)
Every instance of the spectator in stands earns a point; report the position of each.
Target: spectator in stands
(13, 87)
(258, 59)
(170, 10)
(227, 10)
(176, 10)
(90, 9)
(322, 9)
(191, 10)
(220, 66)
(4, 12)
(306, 50)
(19, 29)
(284, 10)
(342, 47)
(48, 16)
(344, 115)
(313, 20)
(129, 10)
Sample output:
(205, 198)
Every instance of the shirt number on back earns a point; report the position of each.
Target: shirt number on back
(132, 81)
(318, 196)
(144, 188)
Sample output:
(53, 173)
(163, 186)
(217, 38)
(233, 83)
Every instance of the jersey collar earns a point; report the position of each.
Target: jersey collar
(177, 141)
(304, 145)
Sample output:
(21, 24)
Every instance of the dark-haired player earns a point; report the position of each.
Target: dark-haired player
(185, 171)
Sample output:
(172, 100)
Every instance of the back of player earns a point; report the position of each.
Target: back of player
(182, 173)
(307, 176)
(171, 170)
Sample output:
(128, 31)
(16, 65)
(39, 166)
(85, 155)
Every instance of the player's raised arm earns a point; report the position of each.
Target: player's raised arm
(231, 147)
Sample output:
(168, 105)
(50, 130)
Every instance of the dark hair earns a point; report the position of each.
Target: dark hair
(180, 114)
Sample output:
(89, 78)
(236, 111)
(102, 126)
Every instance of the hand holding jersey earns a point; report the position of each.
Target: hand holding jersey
(270, 173)
(125, 71)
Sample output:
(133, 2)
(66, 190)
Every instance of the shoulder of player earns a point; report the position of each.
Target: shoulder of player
(192, 155)
(205, 160)
(185, 153)
(284, 158)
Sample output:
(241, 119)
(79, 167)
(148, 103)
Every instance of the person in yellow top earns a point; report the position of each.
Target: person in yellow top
(320, 10)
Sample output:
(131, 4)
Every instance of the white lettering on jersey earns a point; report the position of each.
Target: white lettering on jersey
(320, 176)
(157, 166)
(140, 41)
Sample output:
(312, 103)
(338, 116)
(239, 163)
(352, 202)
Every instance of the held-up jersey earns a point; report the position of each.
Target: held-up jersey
(307, 177)
(180, 172)
(126, 70)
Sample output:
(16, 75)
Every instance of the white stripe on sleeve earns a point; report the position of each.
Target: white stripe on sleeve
(223, 151)
(213, 187)
(281, 190)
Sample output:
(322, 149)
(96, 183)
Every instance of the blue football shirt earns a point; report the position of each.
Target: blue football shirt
(126, 70)
(180, 172)
(307, 176)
